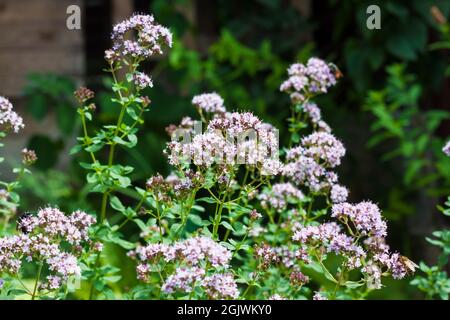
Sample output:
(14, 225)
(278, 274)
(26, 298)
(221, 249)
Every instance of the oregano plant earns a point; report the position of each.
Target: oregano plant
(238, 217)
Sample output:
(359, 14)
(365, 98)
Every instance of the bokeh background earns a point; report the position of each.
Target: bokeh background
(391, 109)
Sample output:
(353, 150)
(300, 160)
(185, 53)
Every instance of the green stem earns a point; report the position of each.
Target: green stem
(113, 146)
(319, 260)
(338, 283)
(191, 295)
(212, 194)
(5, 225)
(217, 219)
(33, 296)
(238, 247)
(103, 208)
(185, 212)
(227, 234)
(86, 136)
(244, 181)
(92, 289)
(135, 123)
(246, 291)
(123, 224)
(158, 218)
(308, 212)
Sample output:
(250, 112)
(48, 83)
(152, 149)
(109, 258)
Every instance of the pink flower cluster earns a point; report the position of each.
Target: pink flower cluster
(271, 167)
(308, 163)
(280, 195)
(365, 216)
(221, 286)
(54, 223)
(150, 36)
(236, 123)
(256, 140)
(330, 236)
(304, 80)
(230, 138)
(324, 148)
(399, 266)
(142, 81)
(216, 286)
(4, 195)
(8, 118)
(183, 279)
(192, 251)
(338, 193)
(212, 147)
(276, 297)
(315, 117)
(308, 172)
(313, 112)
(194, 254)
(287, 257)
(319, 296)
(365, 248)
(298, 279)
(266, 255)
(446, 148)
(163, 189)
(209, 102)
(41, 242)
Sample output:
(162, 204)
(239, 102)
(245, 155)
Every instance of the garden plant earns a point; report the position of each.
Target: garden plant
(239, 217)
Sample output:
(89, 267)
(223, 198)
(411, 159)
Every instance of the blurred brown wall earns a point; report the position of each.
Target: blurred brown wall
(34, 38)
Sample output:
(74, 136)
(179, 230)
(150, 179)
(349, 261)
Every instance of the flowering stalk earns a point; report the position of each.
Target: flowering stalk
(9, 198)
(105, 176)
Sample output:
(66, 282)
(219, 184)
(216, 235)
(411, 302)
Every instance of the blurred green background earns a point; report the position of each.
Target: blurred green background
(391, 109)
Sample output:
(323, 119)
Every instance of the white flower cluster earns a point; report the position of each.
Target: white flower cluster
(280, 195)
(306, 80)
(142, 81)
(315, 117)
(194, 254)
(309, 162)
(446, 148)
(8, 118)
(364, 221)
(149, 38)
(209, 102)
(230, 138)
(42, 242)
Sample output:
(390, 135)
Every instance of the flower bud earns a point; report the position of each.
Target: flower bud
(28, 157)
(83, 94)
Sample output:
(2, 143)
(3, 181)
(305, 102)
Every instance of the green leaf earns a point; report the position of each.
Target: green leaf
(198, 208)
(116, 204)
(227, 225)
(175, 228)
(133, 140)
(94, 147)
(75, 149)
(408, 39)
(353, 284)
(123, 243)
(207, 200)
(112, 279)
(195, 219)
(140, 224)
